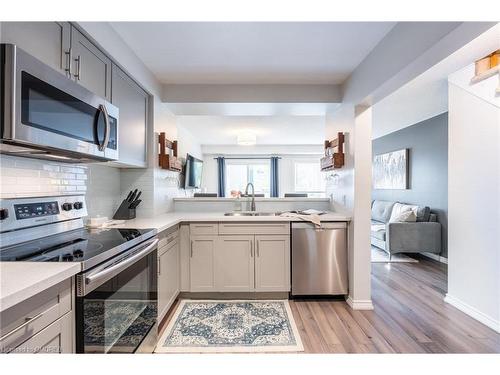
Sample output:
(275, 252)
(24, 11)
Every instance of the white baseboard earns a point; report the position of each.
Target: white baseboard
(436, 257)
(473, 313)
(365, 304)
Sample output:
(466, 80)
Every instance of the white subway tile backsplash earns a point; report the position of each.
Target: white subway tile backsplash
(6, 180)
(22, 177)
(52, 168)
(17, 172)
(105, 187)
(76, 182)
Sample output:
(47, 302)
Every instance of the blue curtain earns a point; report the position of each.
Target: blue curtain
(221, 168)
(274, 177)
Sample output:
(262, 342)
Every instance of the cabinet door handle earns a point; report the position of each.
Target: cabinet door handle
(67, 69)
(78, 74)
(27, 321)
(191, 248)
(159, 266)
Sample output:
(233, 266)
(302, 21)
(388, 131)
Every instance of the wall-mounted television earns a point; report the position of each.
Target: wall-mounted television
(194, 169)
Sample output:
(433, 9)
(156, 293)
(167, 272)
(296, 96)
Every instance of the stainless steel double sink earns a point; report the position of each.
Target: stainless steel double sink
(252, 213)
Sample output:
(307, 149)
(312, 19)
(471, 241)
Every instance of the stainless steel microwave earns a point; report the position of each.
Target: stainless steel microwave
(47, 115)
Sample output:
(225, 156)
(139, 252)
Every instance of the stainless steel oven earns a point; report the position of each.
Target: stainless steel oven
(116, 303)
(46, 115)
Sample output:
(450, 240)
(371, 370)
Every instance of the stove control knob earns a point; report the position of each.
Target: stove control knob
(78, 253)
(4, 213)
(67, 206)
(67, 257)
(78, 205)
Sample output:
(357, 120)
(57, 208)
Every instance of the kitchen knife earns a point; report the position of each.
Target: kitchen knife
(132, 198)
(137, 197)
(135, 203)
(128, 196)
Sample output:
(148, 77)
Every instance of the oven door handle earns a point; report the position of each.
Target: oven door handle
(115, 269)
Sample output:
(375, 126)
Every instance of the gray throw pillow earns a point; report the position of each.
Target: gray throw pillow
(423, 213)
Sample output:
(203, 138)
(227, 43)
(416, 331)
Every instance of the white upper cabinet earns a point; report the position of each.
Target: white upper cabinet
(132, 102)
(63, 47)
(49, 42)
(90, 67)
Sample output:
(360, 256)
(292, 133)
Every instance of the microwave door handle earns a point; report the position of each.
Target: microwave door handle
(104, 144)
(115, 269)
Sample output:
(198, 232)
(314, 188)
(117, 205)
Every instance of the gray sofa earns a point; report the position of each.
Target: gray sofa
(424, 235)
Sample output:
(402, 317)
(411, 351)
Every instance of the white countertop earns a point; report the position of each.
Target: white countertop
(165, 221)
(22, 280)
(257, 199)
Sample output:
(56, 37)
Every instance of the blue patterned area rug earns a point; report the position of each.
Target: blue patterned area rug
(231, 327)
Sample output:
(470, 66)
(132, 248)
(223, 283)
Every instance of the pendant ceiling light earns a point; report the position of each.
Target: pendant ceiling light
(246, 139)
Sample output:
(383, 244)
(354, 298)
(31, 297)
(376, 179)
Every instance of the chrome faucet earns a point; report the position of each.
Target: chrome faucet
(252, 207)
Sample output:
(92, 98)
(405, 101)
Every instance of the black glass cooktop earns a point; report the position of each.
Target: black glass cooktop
(81, 245)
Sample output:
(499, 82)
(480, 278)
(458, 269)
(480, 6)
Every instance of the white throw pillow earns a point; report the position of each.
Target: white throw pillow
(406, 216)
(400, 208)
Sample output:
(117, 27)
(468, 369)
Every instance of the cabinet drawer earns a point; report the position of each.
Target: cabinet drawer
(21, 322)
(254, 228)
(203, 229)
(56, 338)
(167, 239)
(168, 247)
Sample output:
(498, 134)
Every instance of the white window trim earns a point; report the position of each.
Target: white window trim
(304, 161)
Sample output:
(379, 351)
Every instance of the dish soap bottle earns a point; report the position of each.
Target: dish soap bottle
(237, 203)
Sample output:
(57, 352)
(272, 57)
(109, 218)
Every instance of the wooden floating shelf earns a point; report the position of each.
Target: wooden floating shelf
(334, 154)
(167, 161)
(484, 75)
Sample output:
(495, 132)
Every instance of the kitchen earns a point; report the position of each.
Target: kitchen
(116, 208)
(206, 187)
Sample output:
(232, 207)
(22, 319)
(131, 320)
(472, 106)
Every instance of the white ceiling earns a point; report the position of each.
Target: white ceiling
(251, 109)
(252, 52)
(270, 130)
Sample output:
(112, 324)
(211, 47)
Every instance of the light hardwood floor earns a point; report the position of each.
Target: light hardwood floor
(410, 316)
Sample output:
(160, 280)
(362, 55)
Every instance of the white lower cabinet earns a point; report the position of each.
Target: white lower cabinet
(272, 263)
(56, 338)
(202, 263)
(240, 262)
(40, 324)
(234, 264)
(168, 277)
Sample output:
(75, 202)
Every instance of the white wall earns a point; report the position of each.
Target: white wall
(474, 197)
(350, 193)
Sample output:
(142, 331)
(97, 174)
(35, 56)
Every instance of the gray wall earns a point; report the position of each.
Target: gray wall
(427, 142)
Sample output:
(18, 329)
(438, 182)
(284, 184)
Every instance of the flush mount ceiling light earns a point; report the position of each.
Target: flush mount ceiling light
(246, 139)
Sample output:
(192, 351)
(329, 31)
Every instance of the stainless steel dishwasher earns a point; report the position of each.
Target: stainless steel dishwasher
(319, 259)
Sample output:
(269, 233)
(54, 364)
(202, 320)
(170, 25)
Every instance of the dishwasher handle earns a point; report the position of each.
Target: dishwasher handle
(324, 225)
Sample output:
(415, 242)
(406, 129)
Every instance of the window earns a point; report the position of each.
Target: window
(309, 178)
(241, 172)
